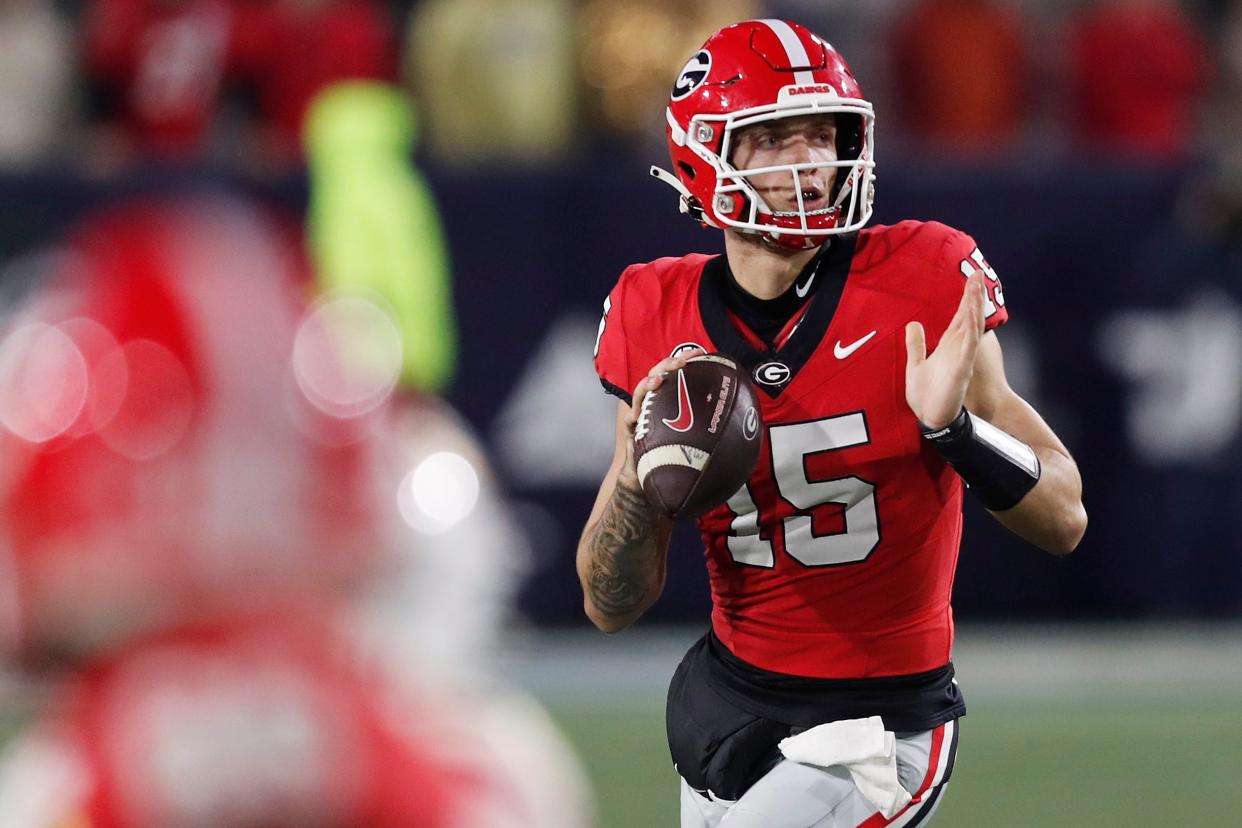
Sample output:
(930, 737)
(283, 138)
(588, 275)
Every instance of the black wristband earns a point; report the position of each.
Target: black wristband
(999, 467)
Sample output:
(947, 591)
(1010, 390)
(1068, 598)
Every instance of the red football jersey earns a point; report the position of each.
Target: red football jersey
(265, 723)
(836, 559)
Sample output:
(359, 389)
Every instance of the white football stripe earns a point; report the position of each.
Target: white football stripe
(671, 455)
(713, 358)
(794, 49)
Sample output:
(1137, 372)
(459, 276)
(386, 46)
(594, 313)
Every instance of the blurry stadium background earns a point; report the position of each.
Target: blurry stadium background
(1093, 149)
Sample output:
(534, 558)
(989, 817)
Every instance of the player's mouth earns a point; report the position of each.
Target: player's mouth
(813, 198)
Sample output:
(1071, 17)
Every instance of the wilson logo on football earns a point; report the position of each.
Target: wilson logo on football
(722, 399)
(684, 421)
(772, 374)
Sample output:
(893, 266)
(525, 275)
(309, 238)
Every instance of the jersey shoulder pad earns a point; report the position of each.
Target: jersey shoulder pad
(921, 240)
(661, 277)
(931, 260)
(641, 295)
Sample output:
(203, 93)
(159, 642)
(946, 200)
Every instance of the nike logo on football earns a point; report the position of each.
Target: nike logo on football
(803, 290)
(843, 352)
(684, 420)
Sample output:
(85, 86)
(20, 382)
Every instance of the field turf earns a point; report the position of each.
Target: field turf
(1094, 763)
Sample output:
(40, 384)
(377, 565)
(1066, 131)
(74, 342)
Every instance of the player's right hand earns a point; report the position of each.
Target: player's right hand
(653, 380)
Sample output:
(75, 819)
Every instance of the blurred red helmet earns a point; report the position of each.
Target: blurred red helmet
(158, 456)
(764, 70)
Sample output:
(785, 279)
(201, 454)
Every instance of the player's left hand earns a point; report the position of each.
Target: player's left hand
(936, 384)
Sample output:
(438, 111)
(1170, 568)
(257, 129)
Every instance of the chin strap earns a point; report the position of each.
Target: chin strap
(687, 203)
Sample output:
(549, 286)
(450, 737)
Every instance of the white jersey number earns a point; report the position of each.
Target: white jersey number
(968, 267)
(791, 445)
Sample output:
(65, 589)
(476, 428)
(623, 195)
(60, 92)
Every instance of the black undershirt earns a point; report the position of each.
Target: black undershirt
(767, 317)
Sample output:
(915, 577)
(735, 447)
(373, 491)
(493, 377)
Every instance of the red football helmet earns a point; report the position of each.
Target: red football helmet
(763, 70)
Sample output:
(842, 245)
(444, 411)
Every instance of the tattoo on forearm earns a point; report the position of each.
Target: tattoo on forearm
(623, 553)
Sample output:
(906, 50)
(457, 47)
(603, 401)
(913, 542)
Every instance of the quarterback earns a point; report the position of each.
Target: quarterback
(823, 693)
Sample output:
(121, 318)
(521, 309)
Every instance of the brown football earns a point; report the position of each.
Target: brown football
(698, 435)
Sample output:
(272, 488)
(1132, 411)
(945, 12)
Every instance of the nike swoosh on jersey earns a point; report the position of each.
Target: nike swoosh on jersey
(803, 290)
(684, 420)
(843, 352)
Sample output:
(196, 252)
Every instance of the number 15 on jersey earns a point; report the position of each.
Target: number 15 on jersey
(791, 444)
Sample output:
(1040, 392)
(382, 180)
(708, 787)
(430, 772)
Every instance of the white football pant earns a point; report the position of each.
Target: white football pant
(792, 795)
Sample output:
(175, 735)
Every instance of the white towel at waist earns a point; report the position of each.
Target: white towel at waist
(861, 746)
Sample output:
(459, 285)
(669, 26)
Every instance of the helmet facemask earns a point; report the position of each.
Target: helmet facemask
(736, 202)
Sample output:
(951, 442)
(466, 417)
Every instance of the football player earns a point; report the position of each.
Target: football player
(823, 693)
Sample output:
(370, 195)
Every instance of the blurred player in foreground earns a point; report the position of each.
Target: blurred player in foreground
(197, 498)
(823, 694)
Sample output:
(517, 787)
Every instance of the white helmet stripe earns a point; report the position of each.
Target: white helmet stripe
(794, 49)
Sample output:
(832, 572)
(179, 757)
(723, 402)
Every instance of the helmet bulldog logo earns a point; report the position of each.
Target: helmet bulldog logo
(694, 73)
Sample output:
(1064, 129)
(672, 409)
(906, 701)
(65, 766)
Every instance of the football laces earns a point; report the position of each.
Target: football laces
(643, 426)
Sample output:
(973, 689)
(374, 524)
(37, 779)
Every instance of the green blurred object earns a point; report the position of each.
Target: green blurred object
(1128, 760)
(373, 226)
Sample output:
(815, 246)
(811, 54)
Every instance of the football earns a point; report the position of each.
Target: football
(697, 437)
